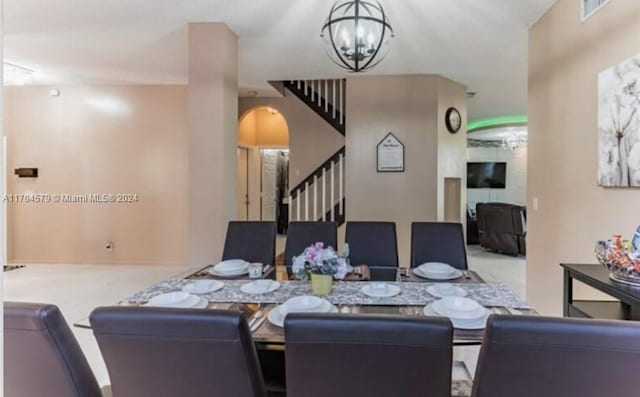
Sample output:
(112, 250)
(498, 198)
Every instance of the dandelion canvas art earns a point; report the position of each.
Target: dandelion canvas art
(619, 125)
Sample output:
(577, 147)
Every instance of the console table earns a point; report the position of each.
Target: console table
(625, 307)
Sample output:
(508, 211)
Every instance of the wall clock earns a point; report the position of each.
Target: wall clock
(453, 120)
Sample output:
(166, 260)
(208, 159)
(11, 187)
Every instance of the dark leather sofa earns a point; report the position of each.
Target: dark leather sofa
(502, 227)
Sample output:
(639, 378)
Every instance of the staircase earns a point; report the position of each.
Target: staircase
(325, 97)
(321, 196)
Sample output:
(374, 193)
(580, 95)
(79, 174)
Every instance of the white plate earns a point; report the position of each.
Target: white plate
(460, 324)
(203, 286)
(459, 308)
(276, 317)
(255, 288)
(240, 272)
(454, 275)
(192, 302)
(392, 290)
(231, 265)
(304, 304)
(168, 299)
(202, 304)
(436, 268)
(457, 291)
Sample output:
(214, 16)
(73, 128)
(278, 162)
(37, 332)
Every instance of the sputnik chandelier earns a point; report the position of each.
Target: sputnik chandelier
(357, 34)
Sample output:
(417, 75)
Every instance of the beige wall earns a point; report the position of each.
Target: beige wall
(452, 150)
(410, 107)
(98, 140)
(565, 57)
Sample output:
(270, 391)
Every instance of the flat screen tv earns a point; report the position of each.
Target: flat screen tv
(486, 175)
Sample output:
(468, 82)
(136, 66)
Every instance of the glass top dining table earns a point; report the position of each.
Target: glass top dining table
(346, 296)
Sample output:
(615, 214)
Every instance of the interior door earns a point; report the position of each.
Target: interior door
(268, 186)
(243, 184)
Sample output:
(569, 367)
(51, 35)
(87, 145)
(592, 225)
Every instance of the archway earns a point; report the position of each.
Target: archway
(497, 176)
(263, 166)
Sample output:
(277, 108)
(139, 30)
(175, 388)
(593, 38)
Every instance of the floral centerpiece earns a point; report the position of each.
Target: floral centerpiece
(322, 264)
(621, 258)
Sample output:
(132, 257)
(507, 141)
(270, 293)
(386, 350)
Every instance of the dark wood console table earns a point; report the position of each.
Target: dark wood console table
(625, 307)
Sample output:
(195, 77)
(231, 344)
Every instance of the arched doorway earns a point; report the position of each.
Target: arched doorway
(263, 166)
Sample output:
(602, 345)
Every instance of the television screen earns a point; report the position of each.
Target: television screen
(486, 175)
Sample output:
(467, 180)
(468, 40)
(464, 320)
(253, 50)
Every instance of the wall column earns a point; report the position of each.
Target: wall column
(413, 108)
(212, 122)
(3, 160)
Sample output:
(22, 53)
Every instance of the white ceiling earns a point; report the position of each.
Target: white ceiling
(480, 43)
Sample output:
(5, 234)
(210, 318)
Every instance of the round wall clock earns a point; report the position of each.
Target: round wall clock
(453, 120)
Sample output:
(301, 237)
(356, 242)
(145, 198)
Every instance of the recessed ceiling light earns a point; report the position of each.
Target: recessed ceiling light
(252, 93)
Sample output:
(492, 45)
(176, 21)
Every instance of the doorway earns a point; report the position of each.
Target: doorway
(263, 166)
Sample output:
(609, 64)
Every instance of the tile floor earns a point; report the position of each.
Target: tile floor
(77, 289)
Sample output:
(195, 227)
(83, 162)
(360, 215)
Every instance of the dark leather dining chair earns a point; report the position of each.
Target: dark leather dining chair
(438, 242)
(42, 358)
(373, 356)
(251, 241)
(177, 352)
(542, 356)
(374, 244)
(302, 234)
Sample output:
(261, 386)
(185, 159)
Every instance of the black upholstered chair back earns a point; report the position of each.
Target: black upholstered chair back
(357, 356)
(374, 244)
(251, 241)
(438, 242)
(300, 235)
(538, 356)
(502, 227)
(42, 357)
(177, 352)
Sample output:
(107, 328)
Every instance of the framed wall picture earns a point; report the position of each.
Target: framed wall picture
(390, 154)
(619, 125)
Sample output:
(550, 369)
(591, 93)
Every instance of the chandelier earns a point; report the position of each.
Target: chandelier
(514, 139)
(357, 34)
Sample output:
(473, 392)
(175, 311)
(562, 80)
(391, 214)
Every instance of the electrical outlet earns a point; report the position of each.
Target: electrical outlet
(109, 245)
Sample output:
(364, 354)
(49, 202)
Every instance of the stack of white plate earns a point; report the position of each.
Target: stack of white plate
(300, 304)
(437, 271)
(442, 290)
(260, 287)
(380, 290)
(203, 286)
(464, 313)
(179, 299)
(230, 268)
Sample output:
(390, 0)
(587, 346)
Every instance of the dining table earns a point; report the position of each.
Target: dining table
(347, 297)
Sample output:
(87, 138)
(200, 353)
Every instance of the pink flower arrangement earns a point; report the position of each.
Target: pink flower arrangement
(318, 259)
